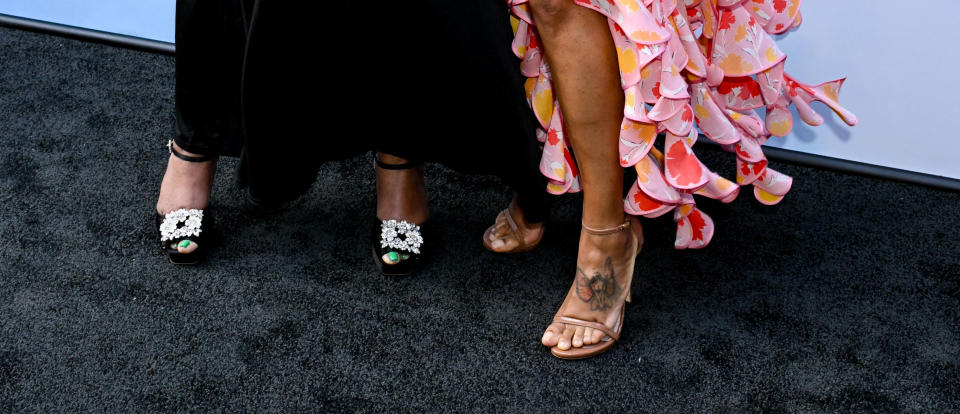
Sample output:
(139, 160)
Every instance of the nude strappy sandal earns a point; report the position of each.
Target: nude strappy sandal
(522, 245)
(611, 335)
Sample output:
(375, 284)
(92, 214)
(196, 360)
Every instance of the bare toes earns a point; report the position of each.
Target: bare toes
(391, 258)
(495, 232)
(187, 247)
(552, 335)
(566, 338)
(504, 244)
(588, 336)
(578, 337)
(597, 336)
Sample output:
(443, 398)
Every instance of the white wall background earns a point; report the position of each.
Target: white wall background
(899, 66)
(898, 58)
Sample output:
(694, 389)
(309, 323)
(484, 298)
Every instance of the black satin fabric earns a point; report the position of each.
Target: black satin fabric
(429, 80)
(210, 48)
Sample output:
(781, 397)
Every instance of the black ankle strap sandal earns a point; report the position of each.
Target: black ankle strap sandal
(405, 166)
(185, 157)
(397, 245)
(180, 228)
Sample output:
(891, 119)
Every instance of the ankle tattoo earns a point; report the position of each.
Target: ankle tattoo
(599, 290)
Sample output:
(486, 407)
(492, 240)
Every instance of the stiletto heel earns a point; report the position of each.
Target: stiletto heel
(612, 335)
(183, 226)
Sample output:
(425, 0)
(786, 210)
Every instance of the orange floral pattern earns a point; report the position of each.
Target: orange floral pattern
(687, 68)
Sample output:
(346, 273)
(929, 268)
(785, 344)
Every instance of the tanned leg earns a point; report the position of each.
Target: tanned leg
(583, 63)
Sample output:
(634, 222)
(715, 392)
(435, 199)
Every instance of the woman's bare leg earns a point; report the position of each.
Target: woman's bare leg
(586, 78)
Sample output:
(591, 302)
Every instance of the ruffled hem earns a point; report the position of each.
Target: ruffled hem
(675, 82)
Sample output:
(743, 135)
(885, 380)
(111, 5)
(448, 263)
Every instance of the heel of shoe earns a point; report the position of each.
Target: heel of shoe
(637, 231)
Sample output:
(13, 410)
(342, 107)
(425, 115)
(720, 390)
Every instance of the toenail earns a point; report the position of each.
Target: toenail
(184, 244)
(393, 257)
(497, 244)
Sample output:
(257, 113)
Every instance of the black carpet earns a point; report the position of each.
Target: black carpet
(842, 299)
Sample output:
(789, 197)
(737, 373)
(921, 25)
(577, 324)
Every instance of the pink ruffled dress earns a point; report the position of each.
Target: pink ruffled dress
(685, 68)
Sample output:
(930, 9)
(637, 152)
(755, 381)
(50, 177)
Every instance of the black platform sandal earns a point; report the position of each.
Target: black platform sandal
(399, 240)
(183, 226)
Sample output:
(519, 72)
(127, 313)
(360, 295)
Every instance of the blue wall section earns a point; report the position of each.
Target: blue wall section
(150, 19)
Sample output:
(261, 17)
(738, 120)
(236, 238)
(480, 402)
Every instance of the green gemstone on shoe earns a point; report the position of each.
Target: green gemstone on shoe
(393, 256)
(184, 244)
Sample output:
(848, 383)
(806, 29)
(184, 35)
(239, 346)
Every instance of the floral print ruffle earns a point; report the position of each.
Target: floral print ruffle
(689, 65)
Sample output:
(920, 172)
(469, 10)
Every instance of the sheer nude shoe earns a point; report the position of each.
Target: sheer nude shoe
(611, 335)
(522, 245)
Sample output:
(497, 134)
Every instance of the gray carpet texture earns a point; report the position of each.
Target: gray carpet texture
(844, 298)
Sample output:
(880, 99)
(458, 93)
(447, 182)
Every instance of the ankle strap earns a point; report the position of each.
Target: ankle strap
(611, 230)
(186, 157)
(404, 166)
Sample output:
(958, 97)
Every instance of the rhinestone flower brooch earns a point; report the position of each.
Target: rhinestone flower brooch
(400, 235)
(181, 223)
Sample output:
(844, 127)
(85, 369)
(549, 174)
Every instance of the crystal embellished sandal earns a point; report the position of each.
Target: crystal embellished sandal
(397, 247)
(180, 228)
(397, 244)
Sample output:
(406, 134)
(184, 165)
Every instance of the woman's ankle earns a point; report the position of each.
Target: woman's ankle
(401, 193)
(390, 159)
(185, 185)
(520, 217)
(595, 249)
(603, 222)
